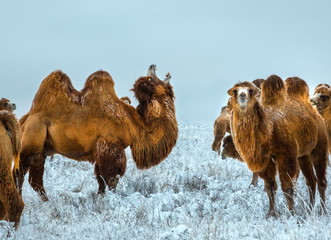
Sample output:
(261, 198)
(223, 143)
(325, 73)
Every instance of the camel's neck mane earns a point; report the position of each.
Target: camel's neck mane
(250, 131)
(156, 134)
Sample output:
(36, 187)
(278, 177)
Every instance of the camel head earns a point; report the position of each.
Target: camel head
(244, 96)
(152, 92)
(296, 86)
(158, 130)
(5, 104)
(322, 97)
(229, 150)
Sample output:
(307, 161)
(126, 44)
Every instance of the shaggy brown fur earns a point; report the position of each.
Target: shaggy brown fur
(277, 129)
(11, 204)
(126, 100)
(229, 150)
(322, 101)
(5, 104)
(258, 82)
(317, 156)
(97, 126)
(222, 123)
(221, 126)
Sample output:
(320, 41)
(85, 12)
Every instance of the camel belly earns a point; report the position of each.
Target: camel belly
(71, 140)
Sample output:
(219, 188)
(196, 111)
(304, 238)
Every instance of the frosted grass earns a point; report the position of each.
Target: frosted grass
(193, 194)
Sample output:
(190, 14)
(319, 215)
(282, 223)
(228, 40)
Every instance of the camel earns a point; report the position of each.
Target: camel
(222, 122)
(322, 101)
(11, 204)
(298, 91)
(271, 134)
(222, 126)
(95, 125)
(5, 104)
(229, 150)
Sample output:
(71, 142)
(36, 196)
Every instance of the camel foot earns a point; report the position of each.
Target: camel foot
(322, 210)
(44, 197)
(272, 214)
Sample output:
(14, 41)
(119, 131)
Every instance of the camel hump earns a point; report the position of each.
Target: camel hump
(99, 87)
(55, 89)
(12, 128)
(297, 87)
(273, 90)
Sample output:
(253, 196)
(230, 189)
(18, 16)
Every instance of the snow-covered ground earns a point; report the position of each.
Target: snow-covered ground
(193, 194)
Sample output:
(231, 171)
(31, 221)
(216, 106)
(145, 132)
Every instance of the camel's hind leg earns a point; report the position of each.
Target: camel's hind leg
(34, 132)
(306, 167)
(110, 164)
(36, 174)
(270, 185)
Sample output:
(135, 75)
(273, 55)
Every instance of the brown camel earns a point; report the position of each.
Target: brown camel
(298, 91)
(222, 122)
(322, 101)
(275, 131)
(5, 104)
(222, 126)
(95, 125)
(11, 204)
(229, 150)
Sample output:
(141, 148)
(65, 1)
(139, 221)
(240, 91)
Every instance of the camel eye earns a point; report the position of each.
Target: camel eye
(324, 98)
(235, 92)
(5, 104)
(250, 92)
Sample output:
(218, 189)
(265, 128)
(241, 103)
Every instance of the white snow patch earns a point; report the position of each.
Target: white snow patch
(193, 194)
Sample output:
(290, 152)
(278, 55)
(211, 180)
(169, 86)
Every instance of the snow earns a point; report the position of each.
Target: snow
(193, 194)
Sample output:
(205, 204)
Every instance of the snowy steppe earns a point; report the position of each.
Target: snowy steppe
(193, 194)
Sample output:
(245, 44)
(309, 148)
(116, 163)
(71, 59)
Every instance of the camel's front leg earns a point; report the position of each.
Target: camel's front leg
(270, 185)
(110, 164)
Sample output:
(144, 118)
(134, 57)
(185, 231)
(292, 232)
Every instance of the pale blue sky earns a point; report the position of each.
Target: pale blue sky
(206, 45)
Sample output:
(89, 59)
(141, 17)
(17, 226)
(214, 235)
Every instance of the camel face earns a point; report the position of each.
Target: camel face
(322, 97)
(5, 104)
(244, 95)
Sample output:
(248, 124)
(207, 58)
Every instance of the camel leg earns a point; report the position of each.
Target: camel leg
(36, 174)
(306, 167)
(3, 210)
(110, 164)
(11, 199)
(19, 174)
(255, 178)
(288, 168)
(320, 165)
(34, 132)
(100, 179)
(270, 185)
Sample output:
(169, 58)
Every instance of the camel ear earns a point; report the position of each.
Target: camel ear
(232, 91)
(257, 91)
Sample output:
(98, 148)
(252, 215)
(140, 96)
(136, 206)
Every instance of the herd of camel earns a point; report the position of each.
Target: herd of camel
(274, 128)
